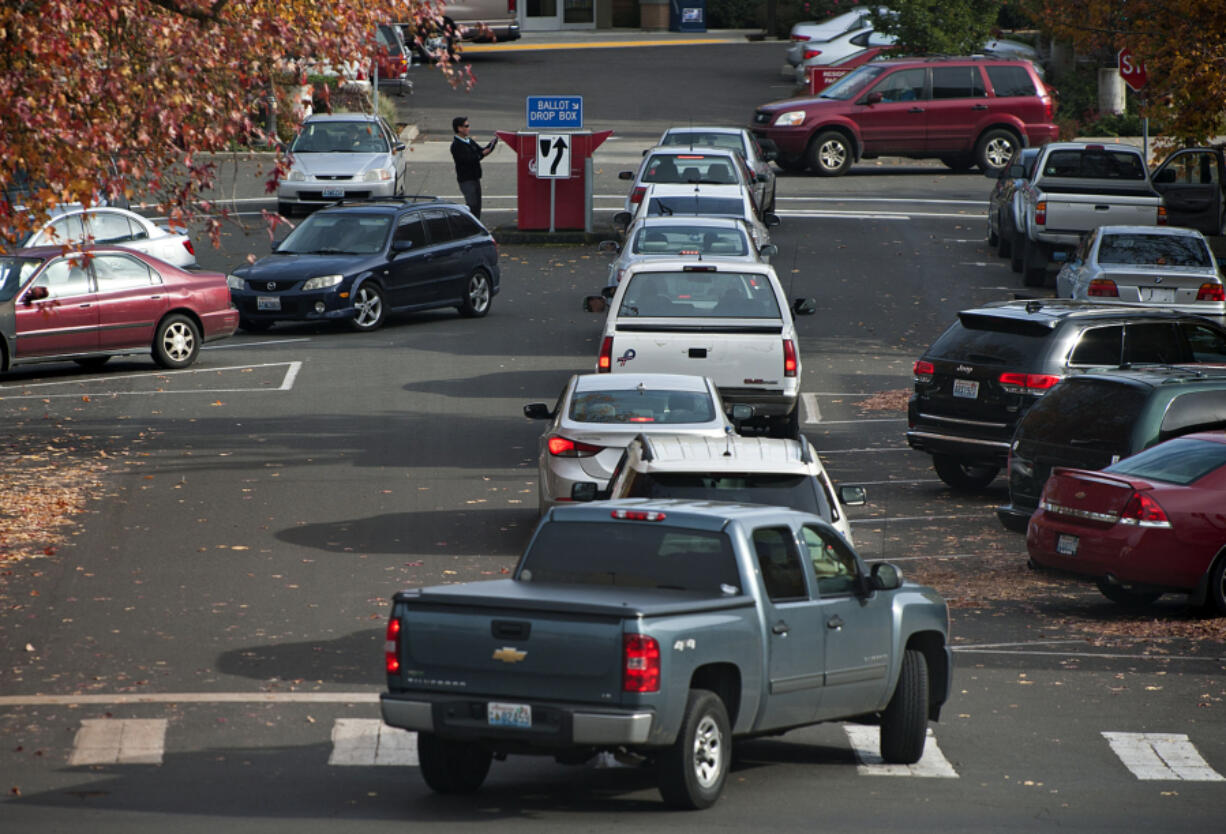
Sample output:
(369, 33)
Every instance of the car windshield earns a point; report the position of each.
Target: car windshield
(1179, 461)
(777, 490)
(14, 272)
(700, 139)
(339, 137)
(338, 233)
(642, 405)
(714, 169)
(854, 83)
(689, 240)
(699, 294)
(1153, 250)
(698, 205)
(632, 554)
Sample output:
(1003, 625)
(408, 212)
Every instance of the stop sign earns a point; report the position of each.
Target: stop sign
(1131, 70)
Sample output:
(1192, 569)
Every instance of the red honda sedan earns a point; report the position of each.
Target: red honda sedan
(1150, 524)
(89, 304)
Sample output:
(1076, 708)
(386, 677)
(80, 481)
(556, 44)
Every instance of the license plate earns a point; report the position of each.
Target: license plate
(1158, 295)
(1066, 545)
(334, 193)
(509, 715)
(267, 302)
(967, 388)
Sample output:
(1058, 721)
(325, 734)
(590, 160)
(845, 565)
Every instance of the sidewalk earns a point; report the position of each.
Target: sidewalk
(610, 38)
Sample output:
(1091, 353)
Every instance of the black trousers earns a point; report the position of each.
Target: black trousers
(471, 189)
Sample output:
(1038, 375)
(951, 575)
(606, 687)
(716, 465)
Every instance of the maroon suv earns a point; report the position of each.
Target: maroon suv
(963, 111)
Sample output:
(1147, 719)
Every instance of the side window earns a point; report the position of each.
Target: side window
(62, 231)
(436, 224)
(833, 561)
(956, 82)
(1010, 81)
(1152, 344)
(64, 278)
(122, 272)
(411, 229)
(1194, 168)
(1098, 346)
(782, 573)
(109, 227)
(1206, 344)
(903, 85)
(462, 225)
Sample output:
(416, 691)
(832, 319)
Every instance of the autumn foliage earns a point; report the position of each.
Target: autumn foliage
(103, 99)
(1181, 42)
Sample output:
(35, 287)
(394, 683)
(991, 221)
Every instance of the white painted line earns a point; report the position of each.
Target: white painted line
(858, 451)
(866, 742)
(193, 698)
(812, 413)
(891, 200)
(1092, 655)
(872, 215)
(914, 518)
(227, 345)
(366, 742)
(119, 741)
(1161, 757)
(872, 420)
(291, 373)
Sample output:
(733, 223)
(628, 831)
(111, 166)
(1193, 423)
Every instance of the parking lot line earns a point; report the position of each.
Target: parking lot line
(119, 741)
(364, 742)
(866, 741)
(287, 383)
(1159, 757)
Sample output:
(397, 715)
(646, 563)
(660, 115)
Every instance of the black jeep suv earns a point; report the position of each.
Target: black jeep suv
(983, 373)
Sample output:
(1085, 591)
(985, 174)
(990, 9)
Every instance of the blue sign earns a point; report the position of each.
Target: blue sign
(555, 112)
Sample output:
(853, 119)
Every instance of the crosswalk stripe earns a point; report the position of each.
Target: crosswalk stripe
(362, 742)
(866, 742)
(119, 741)
(1155, 757)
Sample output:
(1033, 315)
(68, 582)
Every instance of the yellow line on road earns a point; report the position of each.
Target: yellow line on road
(531, 47)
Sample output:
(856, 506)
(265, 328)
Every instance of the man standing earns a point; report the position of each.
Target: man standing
(468, 155)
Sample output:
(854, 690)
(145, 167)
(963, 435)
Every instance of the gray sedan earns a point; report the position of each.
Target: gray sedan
(757, 158)
(1152, 266)
(340, 156)
(707, 238)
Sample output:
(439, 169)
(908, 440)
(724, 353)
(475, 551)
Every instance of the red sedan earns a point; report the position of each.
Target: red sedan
(1150, 524)
(90, 304)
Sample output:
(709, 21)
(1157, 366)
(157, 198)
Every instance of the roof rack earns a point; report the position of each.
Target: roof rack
(398, 198)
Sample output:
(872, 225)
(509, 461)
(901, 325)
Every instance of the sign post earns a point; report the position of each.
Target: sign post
(1135, 76)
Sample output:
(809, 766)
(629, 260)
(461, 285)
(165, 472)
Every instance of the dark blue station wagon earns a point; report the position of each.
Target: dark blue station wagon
(359, 261)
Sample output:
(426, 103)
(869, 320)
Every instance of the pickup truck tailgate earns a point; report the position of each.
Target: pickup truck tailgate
(1081, 212)
(733, 355)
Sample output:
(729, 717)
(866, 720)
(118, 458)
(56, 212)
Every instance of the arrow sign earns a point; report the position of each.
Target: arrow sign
(1131, 70)
(553, 157)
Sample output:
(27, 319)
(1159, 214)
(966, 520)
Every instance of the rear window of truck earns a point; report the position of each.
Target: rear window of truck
(1095, 165)
(632, 554)
(743, 295)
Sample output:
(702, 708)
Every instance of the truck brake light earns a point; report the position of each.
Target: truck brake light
(638, 515)
(1161, 215)
(642, 663)
(636, 196)
(789, 358)
(604, 362)
(391, 649)
(1040, 212)
(1033, 384)
(923, 370)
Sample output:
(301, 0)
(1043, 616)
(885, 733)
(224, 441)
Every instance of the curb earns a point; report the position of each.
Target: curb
(511, 234)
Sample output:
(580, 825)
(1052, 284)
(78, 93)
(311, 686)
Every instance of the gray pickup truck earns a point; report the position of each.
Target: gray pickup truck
(658, 631)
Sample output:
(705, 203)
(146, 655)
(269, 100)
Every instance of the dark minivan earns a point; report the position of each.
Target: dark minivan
(981, 375)
(1093, 420)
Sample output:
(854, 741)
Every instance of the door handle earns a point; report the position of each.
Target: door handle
(835, 622)
(779, 628)
(980, 107)
(915, 110)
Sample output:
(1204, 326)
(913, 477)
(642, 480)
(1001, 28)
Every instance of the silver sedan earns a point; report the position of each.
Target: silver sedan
(339, 156)
(705, 238)
(1152, 266)
(598, 415)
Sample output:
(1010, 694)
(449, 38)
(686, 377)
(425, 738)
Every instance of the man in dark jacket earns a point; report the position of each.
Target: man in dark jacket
(468, 155)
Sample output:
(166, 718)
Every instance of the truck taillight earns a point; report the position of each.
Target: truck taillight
(789, 358)
(1033, 384)
(1161, 215)
(604, 362)
(1210, 292)
(1049, 108)
(512, 7)
(1040, 212)
(391, 649)
(636, 196)
(923, 370)
(1102, 288)
(642, 663)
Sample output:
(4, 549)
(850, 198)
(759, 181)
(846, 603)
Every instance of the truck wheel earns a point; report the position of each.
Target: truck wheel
(692, 771)
(452, 766)
(1215, 600)
(1127, 597)
(1004, 243)
(794, 164)
(960, 475)
(993, 236)
(994, 150)
(904, 724)
(1015, 256)
(1034, 270)
(829, 155)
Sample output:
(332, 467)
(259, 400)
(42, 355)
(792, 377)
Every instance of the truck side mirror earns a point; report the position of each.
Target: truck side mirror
(804, 306)
(740, 413)
(584, 491)
(768, 250)
(1166, 175)
(621, 221)
(401, 245)
(853, 496)
(595, 304)
(885, 577)
(873, 98)
(539, 411)
(609, 247)
(770, 151)
(625, 175)
(771, 219)
(35, 294)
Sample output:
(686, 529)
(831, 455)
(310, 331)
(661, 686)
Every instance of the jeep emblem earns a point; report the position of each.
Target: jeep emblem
(965, 369)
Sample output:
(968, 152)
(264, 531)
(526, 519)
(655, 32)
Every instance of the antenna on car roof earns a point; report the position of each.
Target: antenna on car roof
(727, 441)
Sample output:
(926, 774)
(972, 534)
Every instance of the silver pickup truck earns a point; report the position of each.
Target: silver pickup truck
(659, 631)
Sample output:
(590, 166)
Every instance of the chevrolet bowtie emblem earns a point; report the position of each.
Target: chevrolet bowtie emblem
(1079, 494)
(509, 654)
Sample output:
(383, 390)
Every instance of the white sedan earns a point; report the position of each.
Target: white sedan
(114, 227)
(1154, 266)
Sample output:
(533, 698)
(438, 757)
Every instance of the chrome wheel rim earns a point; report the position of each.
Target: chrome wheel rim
(178, 341)
(832, 154)
(708, 752)
(998, 152)
(369, 306)
(478, 293)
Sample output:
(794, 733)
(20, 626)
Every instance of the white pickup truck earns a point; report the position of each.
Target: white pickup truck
(727, 321)
(1076, 187)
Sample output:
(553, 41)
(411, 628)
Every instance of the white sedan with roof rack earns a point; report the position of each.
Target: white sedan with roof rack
(705, 238)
